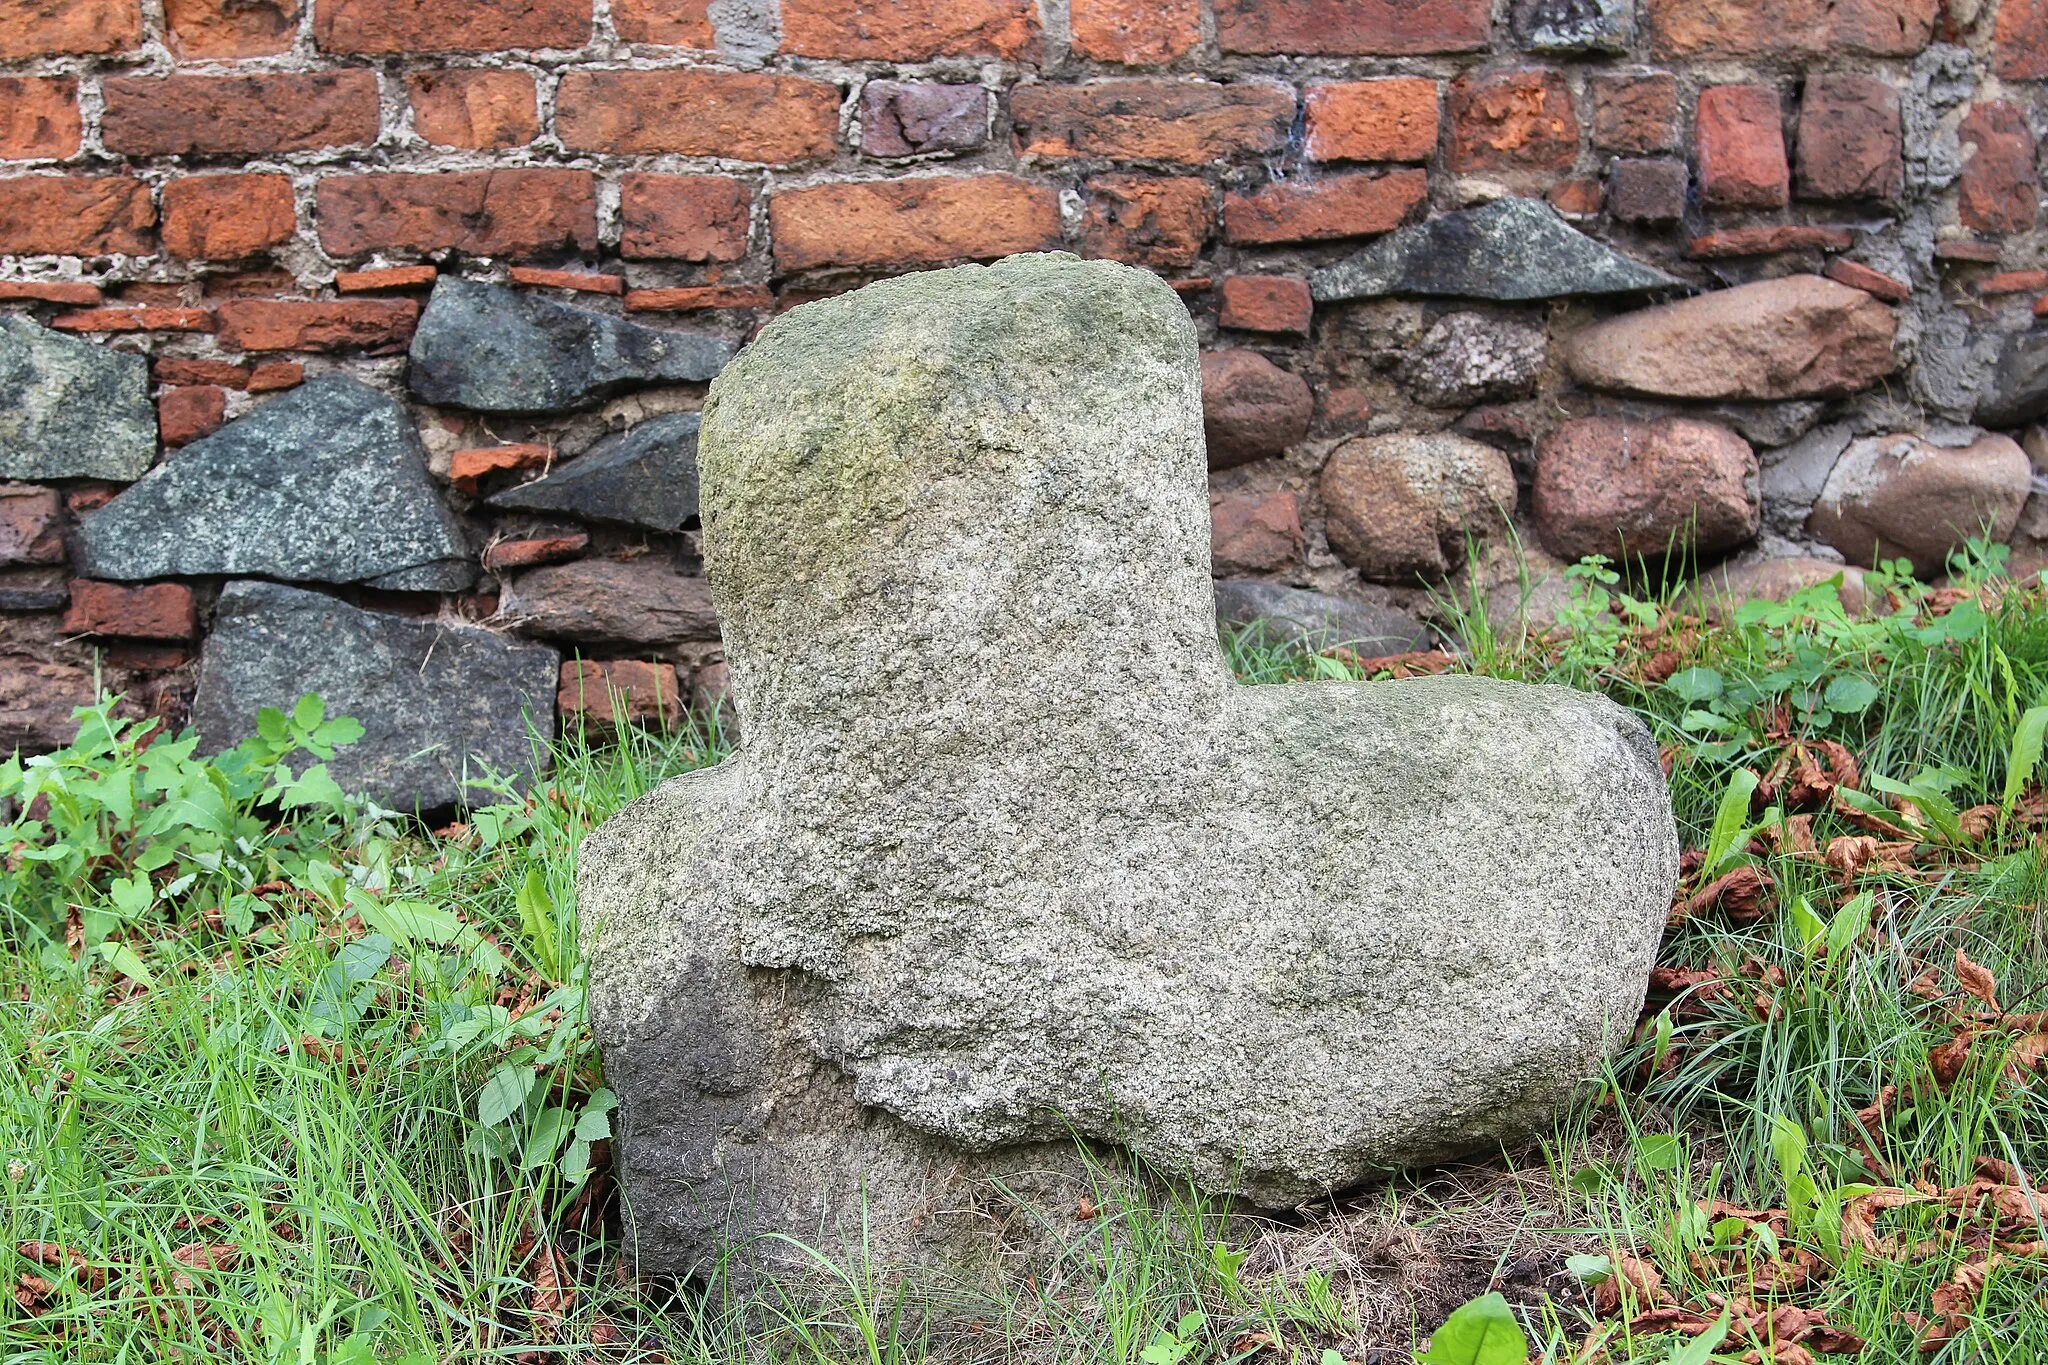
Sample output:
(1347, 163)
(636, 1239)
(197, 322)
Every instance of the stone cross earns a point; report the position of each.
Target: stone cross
(1008, 858)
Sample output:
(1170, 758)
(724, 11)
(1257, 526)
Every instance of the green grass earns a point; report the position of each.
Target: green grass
(354, 1115)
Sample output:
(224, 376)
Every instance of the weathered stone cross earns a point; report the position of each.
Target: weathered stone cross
(1007, 855)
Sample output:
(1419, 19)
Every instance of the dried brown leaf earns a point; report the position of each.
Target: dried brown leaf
(1976, 979)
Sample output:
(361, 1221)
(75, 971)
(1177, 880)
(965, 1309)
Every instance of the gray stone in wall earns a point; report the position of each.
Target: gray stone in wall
(1512, 248)
(1768, 424)
(2018, 389)
(494, 348)
(1288, 614)
(439, 704)
(1574, 25)
(70, 409)
(327, 483)
(1790, 478)
(442, 575)
(1469, 358)
(643, 476)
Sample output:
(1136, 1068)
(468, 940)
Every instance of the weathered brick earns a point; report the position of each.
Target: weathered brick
(183, 415)
(1873, 282)
(239, 115)
(146, 319)
(909, 30)
(1635, 114)
(150, 611)
(2014, 282)
(467, 469)
(271, 376)
(1968, 249)
(1147, 219)
(31, 525)
(1765, 241)
(75, 215)
(1265, 303)
(583, 281)
(671, 23)
(692, 298)
(1352, 27)
(1512, 120)
(1384, 120)
(2000, 189)
(1253, 533)
(1739, 137)
(385, 277)
(1341, 206)
(639, 692)
(1759, 28)
(437, 26)
(242, 283)
(912, 222)
(1577, 196)
(487, 213)
(480, 109)
(910, 118)
(176, 370)
(1849, 145)
(76, 293)
(227, 217)
(43, 28)
(2019, 45)
(1191, 122)
(683, 217)
(231, 28)
(748, 116)
(316, 325)
(1135, 32)
(531, 550)
(38, 117)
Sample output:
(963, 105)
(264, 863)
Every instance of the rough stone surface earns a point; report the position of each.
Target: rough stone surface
(936, 914)
(498, 349)
(1574, 25)
(2018, 389)
(327, 483)
(1903, 496)
(1614, 487)
(1511, 248)
(1401, 507)
(640, 601)
(1287, 614)
(438, 703)
(70, 409)
(1796, 337)
(643, 476)
(1469, 358)
(1251, 408)
(1792, 476)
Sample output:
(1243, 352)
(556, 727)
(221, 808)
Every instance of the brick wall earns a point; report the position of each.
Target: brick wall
(251, 192)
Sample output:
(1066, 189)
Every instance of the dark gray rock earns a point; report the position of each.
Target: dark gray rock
(1469, 358)
(644, 476)
(1511, 248)
(1291, 613)
(1768, 424)
(33, 590)
(327, 483)
(442, 575)
(439, 704)
(1574, 25)
(497, 349)
(2018, 391)
(70, 409)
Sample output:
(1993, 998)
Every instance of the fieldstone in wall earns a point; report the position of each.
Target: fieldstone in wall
(1717, 593)
(327, 483)
(1796, 337)
(1251, 408)
(641, 601)
(37, 697)
(1792, 476)
(493, 348)
(1612, 486)
(1289, 614)
(438, 703)
(1401, 507)
(2018, 389)
(643, 476)
(441, 575)
(1469, 358)
(70, 409)
(1512, 248)
(1904, 496)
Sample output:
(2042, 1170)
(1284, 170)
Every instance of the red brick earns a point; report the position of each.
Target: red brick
(1646, 190)
(1968, 249)
(1875, 283)
(748, 116)
(1147, 219)
(1352, 27)
(231, 28)
(151, 611)
(449, 25)
(1764, 241)
(273, 375)
(2000, 189)
(601, 694)
(239, 115)
(583, 281)
(486, 213)
(1740, 141)
(694, 297)
(243, 283)
(1193, 284)
(2041, 306)
(173, 370)
(1253, 533)
(76, 215)
(82, 499)
(1761, 28)
(467, 469)
(671, 23)
(1849, 144)
(477, 109)
(2019, 45)
(1265, 303)
(227, 217)
(1341, 206)
(44, 28)
(157, 293)
(184, 415)
(911, 222)
(1192, 122)
(1512, 120)
(2015, 282)
(31, 525)
(909, 30)
(1384, 120)
(1577, 196)
(684, 217)
(76, 293)
(532, 550)
(1635, 114)
(387, 277)
(1135, 32)
(38, 117)
(136, 320)
(315, 325)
